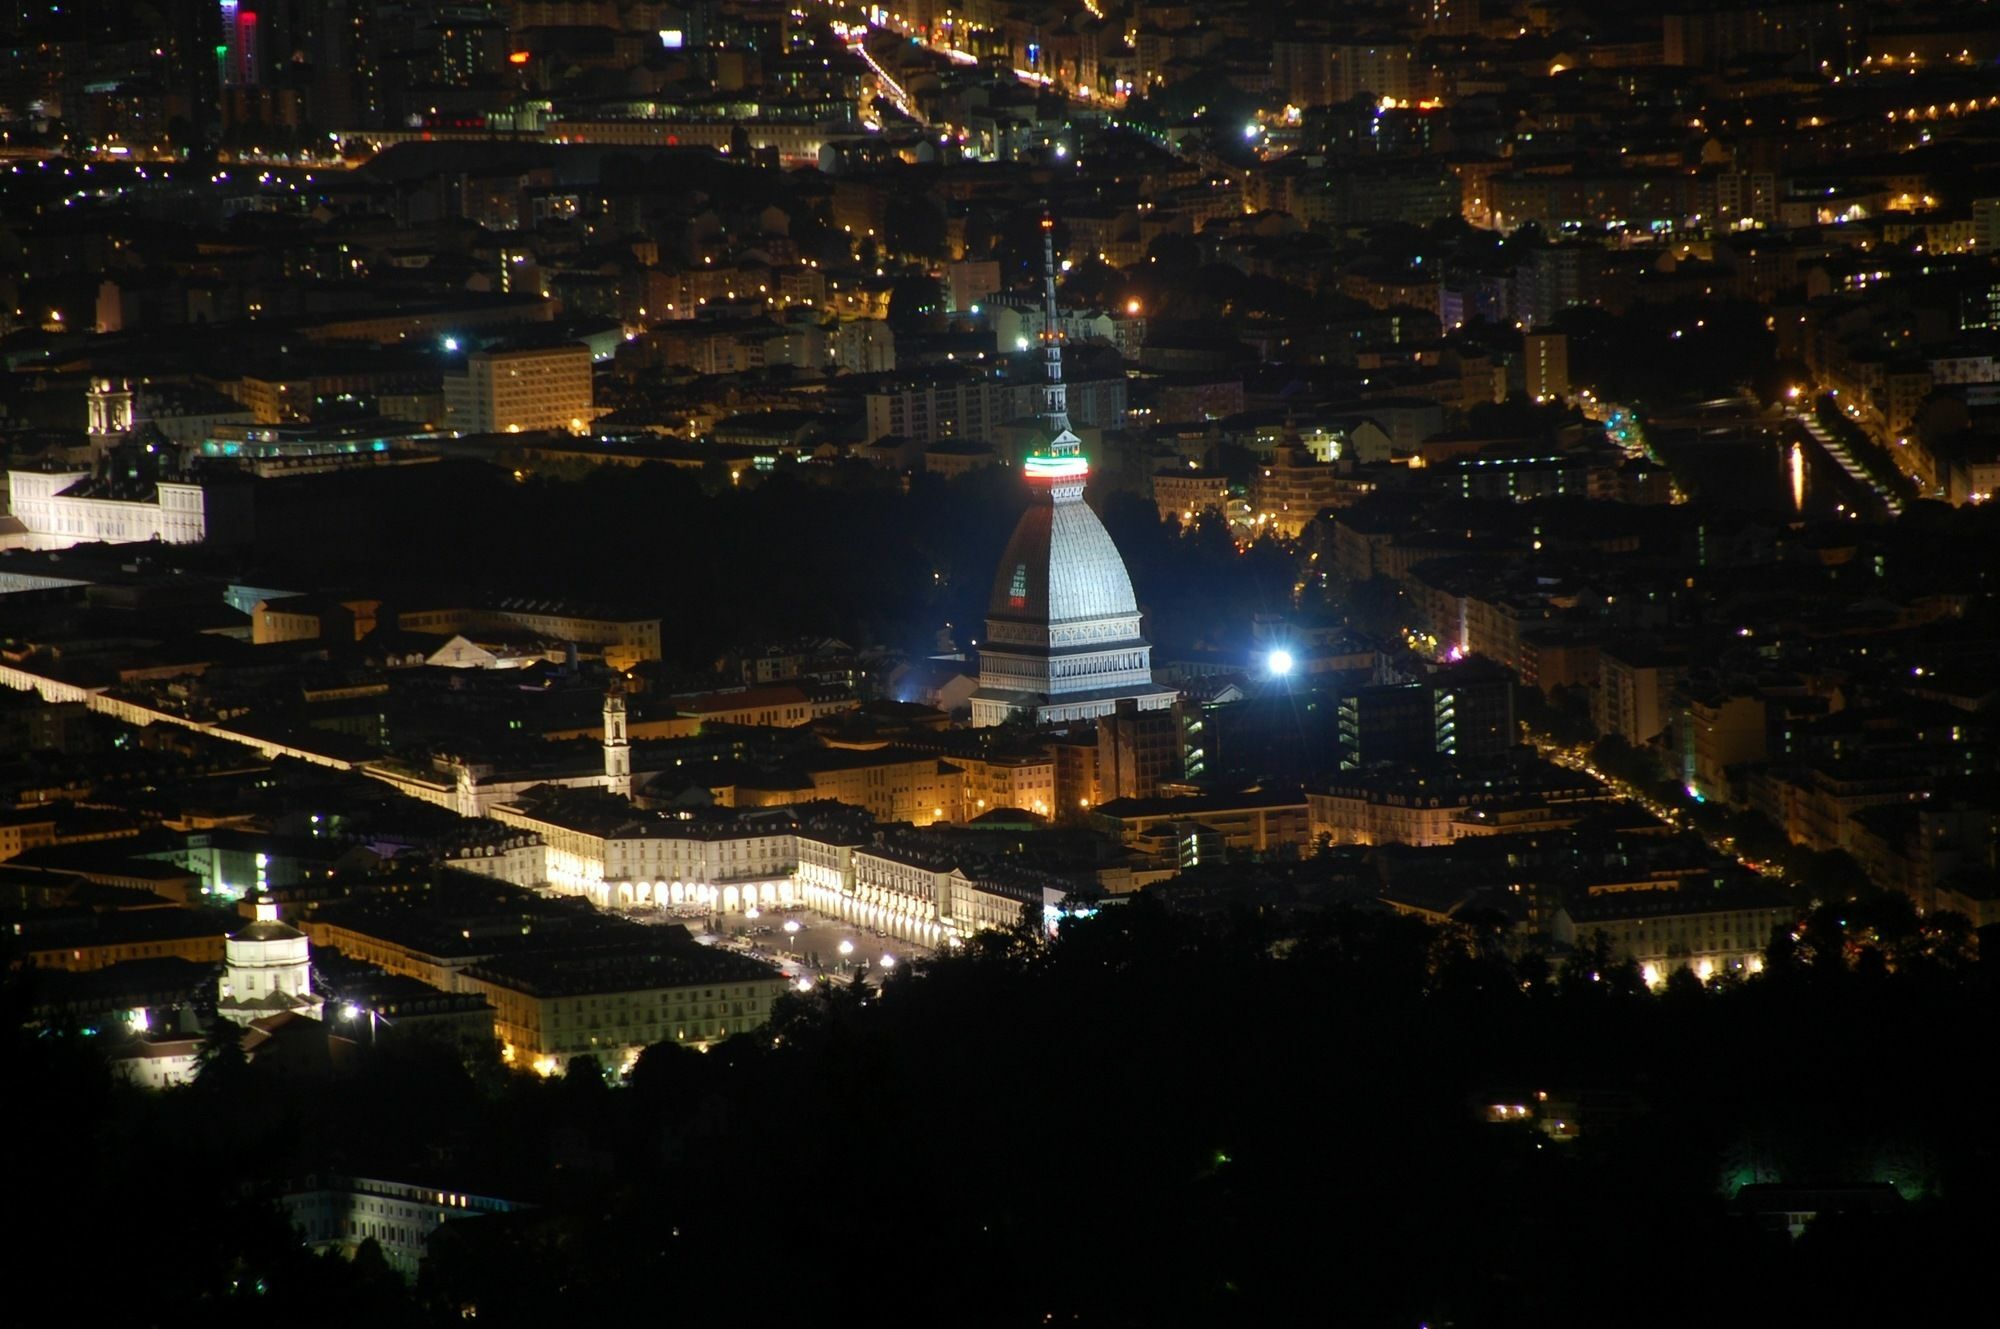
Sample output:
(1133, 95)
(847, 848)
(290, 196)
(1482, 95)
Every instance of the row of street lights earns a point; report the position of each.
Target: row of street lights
(792, 928)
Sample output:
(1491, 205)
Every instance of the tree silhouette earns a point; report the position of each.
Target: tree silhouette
(219, 1058)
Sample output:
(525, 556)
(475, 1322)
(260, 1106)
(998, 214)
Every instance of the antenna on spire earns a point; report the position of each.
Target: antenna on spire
(1055, 398)
(1049, 263)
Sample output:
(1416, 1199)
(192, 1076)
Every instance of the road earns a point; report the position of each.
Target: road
(1836, 448)
(1578, 759)
(901, 100)
(906, 32)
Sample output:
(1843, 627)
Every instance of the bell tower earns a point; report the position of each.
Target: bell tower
(109, 401)
(617, 747)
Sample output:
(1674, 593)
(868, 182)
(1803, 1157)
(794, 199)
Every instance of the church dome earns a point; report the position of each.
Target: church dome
(266, 930)
(267, 969)
(1061, 566)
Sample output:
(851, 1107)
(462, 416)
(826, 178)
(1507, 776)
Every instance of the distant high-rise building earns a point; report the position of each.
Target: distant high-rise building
(239, 51)
(1986, 225)
(1463, 710)
(1138, 751)
(1472, 709)
(1062, 626)
(1547, 355)
(1390, 722)
(1979, 306)
(1635, 689)
(508, 391)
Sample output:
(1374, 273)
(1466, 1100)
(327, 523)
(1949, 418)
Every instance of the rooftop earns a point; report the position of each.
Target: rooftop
(663, 961)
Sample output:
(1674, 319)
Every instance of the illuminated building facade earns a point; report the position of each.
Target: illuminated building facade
(268, 971)
(610, 1004)
(832, 859)
(133, 488)
(513, 391)
(339, 1213)
(66, 506)
(1183, 495)
(1546, 356)
(918, 889)
(1706, 927)
(1062, 627)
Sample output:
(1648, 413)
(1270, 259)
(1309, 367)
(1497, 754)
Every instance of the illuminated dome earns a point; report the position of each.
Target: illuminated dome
(1062, 625)
(1061, 566)
(267, 970)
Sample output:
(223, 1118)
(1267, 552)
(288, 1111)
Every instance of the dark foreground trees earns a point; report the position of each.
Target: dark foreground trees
(1157, 1120)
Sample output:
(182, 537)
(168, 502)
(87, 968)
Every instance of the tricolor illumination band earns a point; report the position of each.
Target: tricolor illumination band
(1057, 468)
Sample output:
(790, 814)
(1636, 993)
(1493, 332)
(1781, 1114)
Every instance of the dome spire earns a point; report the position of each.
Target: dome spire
(1055, 399)
(1058, 463)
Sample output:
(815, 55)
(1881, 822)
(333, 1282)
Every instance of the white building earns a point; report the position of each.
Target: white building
(825, 859)
(863, 346)
(267, 971)
(339, 1213)
(613, 854)
(924, 891)
(461, 652)
(131, 489)
(509, 391)
(71, 505)
(158, 1063)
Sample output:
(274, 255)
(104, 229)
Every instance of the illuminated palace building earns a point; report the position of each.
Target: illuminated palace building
(1062, 627)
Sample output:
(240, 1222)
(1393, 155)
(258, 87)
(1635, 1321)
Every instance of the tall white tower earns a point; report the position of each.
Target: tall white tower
(617, 747)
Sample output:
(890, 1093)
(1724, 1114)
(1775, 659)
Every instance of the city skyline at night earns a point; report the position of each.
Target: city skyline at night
(1227, 664)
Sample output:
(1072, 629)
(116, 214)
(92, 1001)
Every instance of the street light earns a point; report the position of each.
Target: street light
(888, 962)
(1279, 662)
(846, 948)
